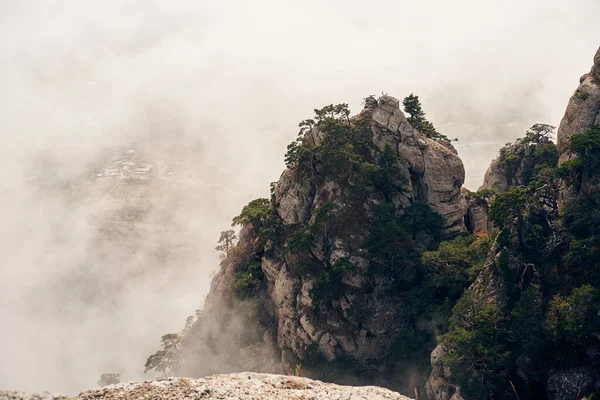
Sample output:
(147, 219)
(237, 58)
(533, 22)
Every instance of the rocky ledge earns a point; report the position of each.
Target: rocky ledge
(243, 386)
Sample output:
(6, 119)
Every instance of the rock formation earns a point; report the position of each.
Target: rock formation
(434, 172)
(515, 164)
(508, 266)
(363, 320)
(244, 386)
(477, 219)
(435, 176)
(583, 111)
(322, 299)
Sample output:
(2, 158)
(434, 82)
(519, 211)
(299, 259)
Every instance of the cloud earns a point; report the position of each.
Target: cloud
(217, 87)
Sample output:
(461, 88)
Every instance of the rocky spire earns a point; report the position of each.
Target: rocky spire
(583, 111)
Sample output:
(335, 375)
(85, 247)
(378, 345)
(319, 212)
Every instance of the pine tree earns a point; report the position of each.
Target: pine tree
(417, 119)
(109, 378)
(225, 242)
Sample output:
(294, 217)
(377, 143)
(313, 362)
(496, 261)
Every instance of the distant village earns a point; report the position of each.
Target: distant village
(124, 164)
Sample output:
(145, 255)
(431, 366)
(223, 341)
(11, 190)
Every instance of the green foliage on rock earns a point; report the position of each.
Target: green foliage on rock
(328, 285)
(386, 174)
(523, 160)
(527, 319)
(573, 323)
(455, 264)
(546, 313)
(576, 172)
(253, 214)
(412, 106)
(248, 280)
(508, 205)
(334, 154)
(476, 344)
(109, 378)
(169, 358)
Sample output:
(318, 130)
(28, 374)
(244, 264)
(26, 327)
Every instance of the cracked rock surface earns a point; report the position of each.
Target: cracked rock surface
(243, 386)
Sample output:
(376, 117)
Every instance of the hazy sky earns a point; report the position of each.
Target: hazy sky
(236, 77)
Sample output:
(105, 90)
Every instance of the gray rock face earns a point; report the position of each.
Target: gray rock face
(434, 175)
(437, 386)
(244, 386)
(477, 219)
(495, 178)
(360, 325)
(500, 176)
(583, 111)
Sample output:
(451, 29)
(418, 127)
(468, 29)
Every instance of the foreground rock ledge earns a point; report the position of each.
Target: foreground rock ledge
(244, 386)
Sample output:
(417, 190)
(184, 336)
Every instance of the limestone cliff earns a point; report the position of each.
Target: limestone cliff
(477, 219)
(524, 275)
(332, 304)
(583, 110)
(517, 162)
(434, 175)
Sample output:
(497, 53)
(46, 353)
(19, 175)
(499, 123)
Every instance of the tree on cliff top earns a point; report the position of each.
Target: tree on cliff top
(417, 119)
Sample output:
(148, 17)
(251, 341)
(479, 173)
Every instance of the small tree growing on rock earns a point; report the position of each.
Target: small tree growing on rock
(417, 119)
(169, 358)
(225, 242)
(109, 378)
(538, 132)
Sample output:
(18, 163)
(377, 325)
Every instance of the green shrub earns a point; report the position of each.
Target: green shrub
(572, 323)
(476, 350)
(508, 205)
(455, 264)
(248, 280)
(253, 214)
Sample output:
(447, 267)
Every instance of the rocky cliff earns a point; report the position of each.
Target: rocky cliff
(535, 266)
(583, 110)
(325, 298)
(370, 264)
(477, 219)
(434, 175)
(518, 161)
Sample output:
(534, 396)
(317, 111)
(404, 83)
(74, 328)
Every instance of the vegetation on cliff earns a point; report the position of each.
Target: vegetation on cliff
(508, 306)
(549, 315)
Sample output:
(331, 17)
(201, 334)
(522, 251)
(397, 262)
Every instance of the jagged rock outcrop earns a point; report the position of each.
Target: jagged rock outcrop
(437, 386)
(433, 171)
(364, 318)
(515, 165)
(477, 219)
(495, 178)
(434, 175)
(583, 111)
(244, 386)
